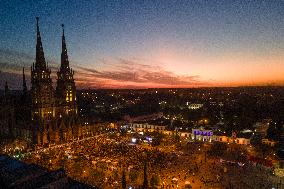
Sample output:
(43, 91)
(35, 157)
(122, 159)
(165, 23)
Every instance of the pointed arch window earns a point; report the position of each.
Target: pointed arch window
(70, 96)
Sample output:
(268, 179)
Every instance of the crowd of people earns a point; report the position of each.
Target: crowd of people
(102, 161)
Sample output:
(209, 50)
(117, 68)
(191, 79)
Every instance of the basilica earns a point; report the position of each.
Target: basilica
(48, 114)
(53, 112)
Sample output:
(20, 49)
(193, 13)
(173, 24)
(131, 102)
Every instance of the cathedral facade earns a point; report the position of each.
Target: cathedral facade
(53, 111)
(45, 115)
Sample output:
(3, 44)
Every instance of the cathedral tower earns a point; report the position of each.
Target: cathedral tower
(6, 90)
(65, 89)
(41, 90)
(25, 89)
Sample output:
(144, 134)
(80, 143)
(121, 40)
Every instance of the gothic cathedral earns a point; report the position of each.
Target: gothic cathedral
(54, 112)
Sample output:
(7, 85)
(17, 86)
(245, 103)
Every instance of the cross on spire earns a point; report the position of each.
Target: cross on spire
(62, 25)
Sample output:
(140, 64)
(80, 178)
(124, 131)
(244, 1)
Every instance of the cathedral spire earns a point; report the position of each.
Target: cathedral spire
(64, 55)
(40, 60)
(66, 89)
(24, 83)
(6, 89)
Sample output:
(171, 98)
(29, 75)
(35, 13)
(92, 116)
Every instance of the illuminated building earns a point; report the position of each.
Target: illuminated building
(194, 106)
(145, 127)
(42, 90)
(66, 89)
(268, 142)
(237, 140)
(202, 134)
(54, 112)
(50, 116)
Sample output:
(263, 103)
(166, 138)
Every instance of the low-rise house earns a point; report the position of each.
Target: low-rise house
(145, 127)
(268, 142)
(202, 134)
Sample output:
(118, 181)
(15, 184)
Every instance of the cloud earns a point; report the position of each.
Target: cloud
(13, 61)
(125, 73)
(116, 73)
(14, 80)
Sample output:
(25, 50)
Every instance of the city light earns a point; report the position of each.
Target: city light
(170, 94)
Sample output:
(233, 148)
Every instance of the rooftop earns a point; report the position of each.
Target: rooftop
(17, 174)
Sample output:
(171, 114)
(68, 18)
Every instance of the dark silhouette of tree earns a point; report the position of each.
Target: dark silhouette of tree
(123, 180)
(145, 181)
(273, 131)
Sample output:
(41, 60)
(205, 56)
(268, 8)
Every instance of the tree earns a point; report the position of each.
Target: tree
(145, 181)
(123, 180)
(273, 130)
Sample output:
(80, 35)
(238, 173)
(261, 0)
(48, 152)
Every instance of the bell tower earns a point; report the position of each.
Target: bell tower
(65, 89)
(41, 90)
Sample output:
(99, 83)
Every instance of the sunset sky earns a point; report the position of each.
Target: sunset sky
(151, 43)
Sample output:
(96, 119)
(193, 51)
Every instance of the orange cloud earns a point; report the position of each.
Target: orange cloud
(134, 74)
(224, 70)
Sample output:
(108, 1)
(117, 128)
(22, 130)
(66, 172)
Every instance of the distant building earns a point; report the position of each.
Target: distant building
(202, 134)
(237, 140)
(49, 116)
(194, 106)
(54, 113)
(268, 142)
(145, 127)
(185, 134)
(261, 127)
